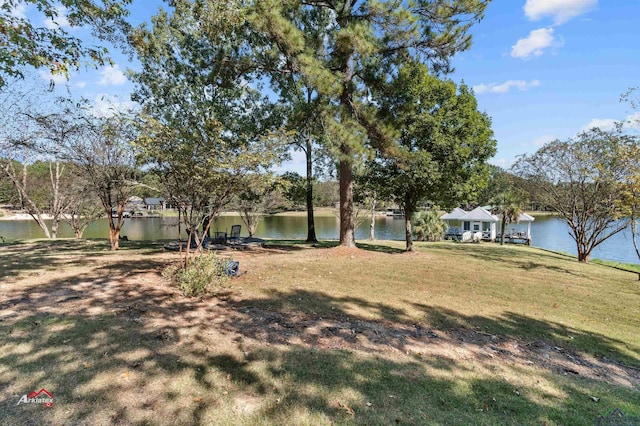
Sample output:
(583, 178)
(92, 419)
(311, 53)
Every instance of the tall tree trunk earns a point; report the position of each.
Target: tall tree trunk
(58, 201)
(634, 231)
(347, 220)
(311, 226)
(503, 228)
(21, 188)
(347, 225)
(372, 225)
(583, 252)
(114, 228)
(407, 228)
(24, 184)
(54, 227)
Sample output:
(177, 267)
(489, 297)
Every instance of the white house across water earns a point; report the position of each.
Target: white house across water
(480, 224)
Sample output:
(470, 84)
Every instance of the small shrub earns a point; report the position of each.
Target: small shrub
(205, 274)
(427, 226)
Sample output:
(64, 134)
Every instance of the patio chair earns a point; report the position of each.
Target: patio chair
(234, 238)
(219, 238)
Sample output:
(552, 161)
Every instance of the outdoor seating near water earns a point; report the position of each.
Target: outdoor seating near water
(216, 240)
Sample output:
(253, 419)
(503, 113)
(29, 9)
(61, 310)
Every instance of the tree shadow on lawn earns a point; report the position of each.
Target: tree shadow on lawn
(380, 248)
(298, 245)
(527, 258)
(116, 346)
(27, 257)
(282, 315)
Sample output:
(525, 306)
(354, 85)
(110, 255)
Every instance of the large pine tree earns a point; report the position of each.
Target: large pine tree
(363, 44)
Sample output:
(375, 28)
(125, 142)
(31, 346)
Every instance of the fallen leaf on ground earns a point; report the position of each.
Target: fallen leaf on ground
(346, 408)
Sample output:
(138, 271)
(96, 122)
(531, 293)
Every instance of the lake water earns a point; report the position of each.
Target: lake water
(547, 232)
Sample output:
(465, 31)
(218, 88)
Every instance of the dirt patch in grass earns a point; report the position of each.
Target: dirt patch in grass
(115, 344)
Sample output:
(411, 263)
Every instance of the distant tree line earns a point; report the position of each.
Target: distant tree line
(227, 88)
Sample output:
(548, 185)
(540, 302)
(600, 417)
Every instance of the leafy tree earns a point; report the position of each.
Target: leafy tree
(19, 154)
(206, 128)
(84, 206)
(295, 188)
(427, 226)
(581, 179)
(29, 199)
(508, 205)
(304, 101)
(326, 193)
(253, 198)
(500, 182)
(629, 199)
(25, 44)
(8, 193)
(436, 143)
(366, 193)
(362, 44)
(105, 159)
(630, 185)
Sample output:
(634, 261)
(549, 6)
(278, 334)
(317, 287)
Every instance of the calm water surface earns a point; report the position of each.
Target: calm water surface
(547, 232)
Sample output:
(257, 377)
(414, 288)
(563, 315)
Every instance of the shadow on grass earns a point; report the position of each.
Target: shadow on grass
(26, 257)
(380, 248)
(113, 346)
(296, 311)
(297, 245)
(525, 258)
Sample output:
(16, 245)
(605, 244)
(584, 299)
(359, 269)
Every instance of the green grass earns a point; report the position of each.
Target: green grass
(631, 267)
(316, 335)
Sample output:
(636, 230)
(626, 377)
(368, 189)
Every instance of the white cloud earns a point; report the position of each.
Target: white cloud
(521, 85)
(534, 44)
(634, 120)
(81, 84)
(105, 105)
(112, 76)
(297, 164)
(503, 162)
(60, 21)
(560, 11)
(57, 78)
(601, 123)
(19, 10)
(630, 122)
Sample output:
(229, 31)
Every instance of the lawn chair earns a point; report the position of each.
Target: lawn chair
(234, 238)
(220, 238)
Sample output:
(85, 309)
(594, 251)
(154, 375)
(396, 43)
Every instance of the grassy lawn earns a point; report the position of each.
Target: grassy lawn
(453, 334)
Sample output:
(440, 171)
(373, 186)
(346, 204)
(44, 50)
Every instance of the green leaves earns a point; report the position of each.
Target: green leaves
(581, 179)
(441, 141)
(24, 44)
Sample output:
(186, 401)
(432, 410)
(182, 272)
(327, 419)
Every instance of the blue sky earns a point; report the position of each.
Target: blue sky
(546, 69)
(542, 69)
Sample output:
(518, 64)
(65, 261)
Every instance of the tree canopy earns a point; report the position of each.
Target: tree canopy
(580, 178)
(362, 45)
(55, 47)
(434, 145)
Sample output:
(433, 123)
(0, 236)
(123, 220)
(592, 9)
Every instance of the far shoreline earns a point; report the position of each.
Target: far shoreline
(318, 212)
